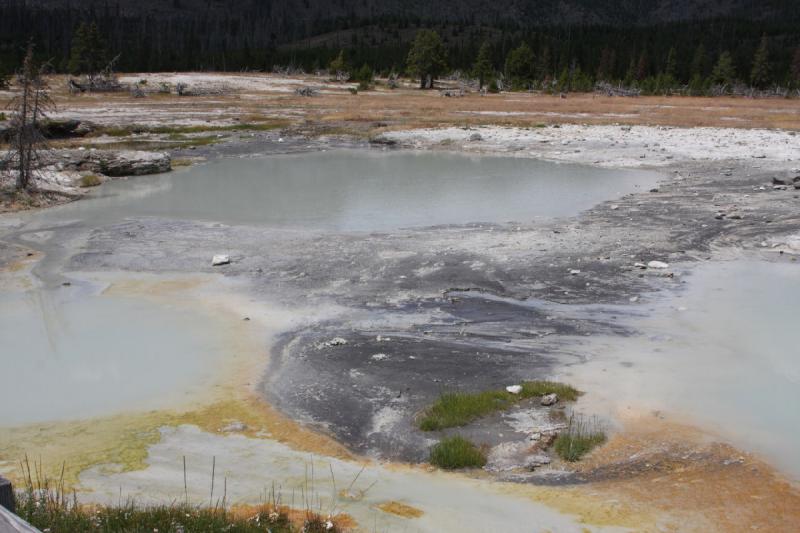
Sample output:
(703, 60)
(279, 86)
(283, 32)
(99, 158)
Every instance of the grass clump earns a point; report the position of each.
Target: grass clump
(454, 409)
(580, 437)
(90, 180)
(457, 452)
(124, 131)
(48, 507)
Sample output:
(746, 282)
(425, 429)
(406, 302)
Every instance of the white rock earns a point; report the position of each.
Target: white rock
(574, 272)
(657, 264)
(218, 260)
(533, 461)
(378, 357)
(549, 399)
(235, 427)
(336, 341)
(514, 389)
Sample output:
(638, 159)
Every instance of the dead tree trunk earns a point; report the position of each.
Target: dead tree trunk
(29, 108)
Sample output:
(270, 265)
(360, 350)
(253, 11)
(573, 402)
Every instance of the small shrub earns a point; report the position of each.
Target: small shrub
(353, 90)
(459, 408)
(580, 437)
(493, 87)
(2, 116)
(90, 180)
(457, 452)
(178, 162)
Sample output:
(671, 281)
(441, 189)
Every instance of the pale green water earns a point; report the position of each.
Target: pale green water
(363, 190)
(70, 355)
(725, 353)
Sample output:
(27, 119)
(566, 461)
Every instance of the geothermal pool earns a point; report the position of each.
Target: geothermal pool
(362, 190)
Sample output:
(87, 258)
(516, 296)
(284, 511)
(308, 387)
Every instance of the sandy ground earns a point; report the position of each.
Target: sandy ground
(716, 155)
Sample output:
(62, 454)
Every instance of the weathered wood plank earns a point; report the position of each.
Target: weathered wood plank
(11, 523)
(6, 494)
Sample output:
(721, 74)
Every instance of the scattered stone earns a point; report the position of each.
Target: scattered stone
(574, 272)
(336, 341)
(378, 356)
(476, 137)
(657, 264)
(219, 260)
(383, 141)
(514, 389)
(306, 91)
(778, 181)
(534, 461)
(116, 163)
(549, 399)
(235, 427)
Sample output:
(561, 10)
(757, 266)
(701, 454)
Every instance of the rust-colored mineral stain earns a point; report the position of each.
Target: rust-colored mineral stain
(702, 484)
(400, 509)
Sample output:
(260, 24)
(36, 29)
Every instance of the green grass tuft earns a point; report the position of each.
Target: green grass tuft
(49, 508)
(454, 409)
(457, 452)
(90, 180)
(124, 131)
(580, 437)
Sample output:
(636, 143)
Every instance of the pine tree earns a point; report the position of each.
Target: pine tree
(338, 67)
(759, 75)
(724, 72)
(795, 69)
(483, 69)
(543, 65)
(519, 66)
(701, 66)
(4, 76)
(364, 76)
(605, 70)
(87, 54)
(642, 66)
(671, 69)
(427, 58)
(29, 108)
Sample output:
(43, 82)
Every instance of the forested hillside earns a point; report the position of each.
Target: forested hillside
(628, 39)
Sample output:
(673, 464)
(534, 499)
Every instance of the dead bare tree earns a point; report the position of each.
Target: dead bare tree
(29, 107)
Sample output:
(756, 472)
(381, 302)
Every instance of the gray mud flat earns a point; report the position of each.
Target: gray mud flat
(467, 301)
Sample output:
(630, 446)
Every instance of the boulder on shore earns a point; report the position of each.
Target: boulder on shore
(117, 163)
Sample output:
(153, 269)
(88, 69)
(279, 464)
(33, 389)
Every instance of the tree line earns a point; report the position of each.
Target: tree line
(693, 57)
